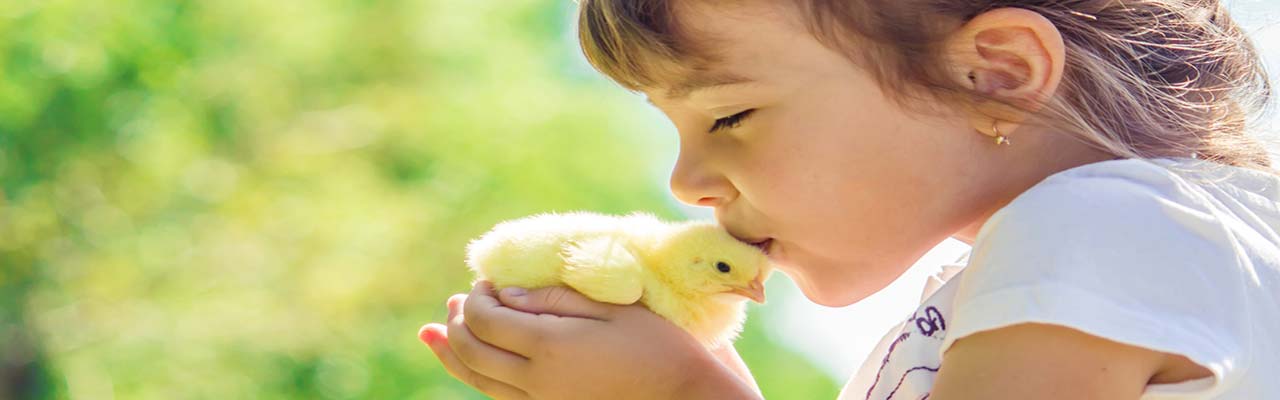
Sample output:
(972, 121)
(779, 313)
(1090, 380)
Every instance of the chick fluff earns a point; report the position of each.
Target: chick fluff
(694, 274)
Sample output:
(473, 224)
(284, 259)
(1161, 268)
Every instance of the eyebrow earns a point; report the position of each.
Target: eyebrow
(703, 80)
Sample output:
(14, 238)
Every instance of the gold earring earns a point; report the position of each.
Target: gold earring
(1000, 139)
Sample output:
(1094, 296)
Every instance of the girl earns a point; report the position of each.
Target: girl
(1092, 152)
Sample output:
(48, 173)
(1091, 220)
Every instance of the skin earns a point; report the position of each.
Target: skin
(557, 344)
(823, 144)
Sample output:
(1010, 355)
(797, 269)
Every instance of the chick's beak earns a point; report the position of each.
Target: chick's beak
(754, 290)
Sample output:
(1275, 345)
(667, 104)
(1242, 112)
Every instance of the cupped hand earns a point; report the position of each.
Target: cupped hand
(554, 343)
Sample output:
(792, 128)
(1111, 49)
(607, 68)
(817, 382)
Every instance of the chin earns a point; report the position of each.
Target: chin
(820, 294)
(831, 298)
(837, 291)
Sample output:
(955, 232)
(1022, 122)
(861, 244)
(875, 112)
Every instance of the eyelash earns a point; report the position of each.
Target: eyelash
(731, 121)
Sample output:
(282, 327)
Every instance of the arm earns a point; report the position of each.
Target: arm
(721, 380)
(728, 355)
(1039, 361)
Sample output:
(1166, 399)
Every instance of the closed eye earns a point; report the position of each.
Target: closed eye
(731, 121)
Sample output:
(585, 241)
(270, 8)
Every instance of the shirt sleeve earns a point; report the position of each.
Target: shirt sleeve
(1118, 258)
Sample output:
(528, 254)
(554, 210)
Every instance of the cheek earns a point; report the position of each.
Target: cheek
(858, 187)
(855, 210)
(837, 285)
(853, 153)
(834, 193)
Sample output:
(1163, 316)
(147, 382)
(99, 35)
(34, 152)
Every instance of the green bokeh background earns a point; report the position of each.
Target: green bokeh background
(235, 199)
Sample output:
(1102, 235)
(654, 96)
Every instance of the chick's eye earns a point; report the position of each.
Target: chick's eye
(722, 267)
(731, 121)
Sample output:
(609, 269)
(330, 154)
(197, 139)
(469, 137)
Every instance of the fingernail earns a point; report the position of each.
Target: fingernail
(427, 335)
(514, 292)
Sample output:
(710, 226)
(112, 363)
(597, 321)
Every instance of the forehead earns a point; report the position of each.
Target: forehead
(737, 42)
(712, 17)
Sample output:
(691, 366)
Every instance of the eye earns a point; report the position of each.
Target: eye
(731, 121)
(722, 266)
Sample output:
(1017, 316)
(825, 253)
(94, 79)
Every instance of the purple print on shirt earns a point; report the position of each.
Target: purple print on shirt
(910, 355)
(931, 322)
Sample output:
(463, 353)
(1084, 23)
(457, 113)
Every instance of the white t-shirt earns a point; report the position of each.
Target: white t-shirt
(1176, 255)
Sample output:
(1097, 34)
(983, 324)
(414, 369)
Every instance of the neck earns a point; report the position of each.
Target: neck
(1042, 154)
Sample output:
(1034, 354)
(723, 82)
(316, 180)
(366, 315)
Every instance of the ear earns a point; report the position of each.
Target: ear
(1013, 54)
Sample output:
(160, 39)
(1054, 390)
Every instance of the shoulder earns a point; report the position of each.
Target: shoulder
(1109, 193)
(1123, 236)
(1119, 255)
(1134, 213)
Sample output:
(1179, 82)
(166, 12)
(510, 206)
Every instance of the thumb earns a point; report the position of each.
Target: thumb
(555, 300)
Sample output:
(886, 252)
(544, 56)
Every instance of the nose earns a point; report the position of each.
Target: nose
(696, 182)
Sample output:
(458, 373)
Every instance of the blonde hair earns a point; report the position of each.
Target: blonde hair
(1142, 78)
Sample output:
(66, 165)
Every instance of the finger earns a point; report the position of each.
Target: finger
(557, 300)
(437, 338)
(456, 299)
(513, 330)
(455, 305)
(482, 357)
(491, 322)
(430, 333)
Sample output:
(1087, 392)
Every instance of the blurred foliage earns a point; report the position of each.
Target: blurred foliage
(265, 199)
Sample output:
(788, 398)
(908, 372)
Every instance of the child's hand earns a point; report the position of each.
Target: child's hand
(573, 348)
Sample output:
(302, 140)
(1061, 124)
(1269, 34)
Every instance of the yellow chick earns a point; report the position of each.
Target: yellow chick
(694, 274)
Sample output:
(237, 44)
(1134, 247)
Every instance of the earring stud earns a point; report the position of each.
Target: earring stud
(1000, 139)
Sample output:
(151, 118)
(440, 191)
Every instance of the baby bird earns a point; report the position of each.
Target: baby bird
(694, 274)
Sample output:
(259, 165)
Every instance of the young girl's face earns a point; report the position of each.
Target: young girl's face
(850, 188)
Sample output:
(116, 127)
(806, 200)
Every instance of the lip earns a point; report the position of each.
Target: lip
(763, 245)
(760, 242)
